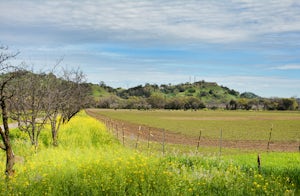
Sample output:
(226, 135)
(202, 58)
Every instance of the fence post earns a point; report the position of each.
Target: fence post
(199, 138)
(149, 136)
(123, 134)
(258, 163)
(112, 126)
(163, 143)
(105, 122)
(270, 136)
(109, 125)
(114, 131)
(137, 138)
(299, 145)
(117, 132)
(220, 142)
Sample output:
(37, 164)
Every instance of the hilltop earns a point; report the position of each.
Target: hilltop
(197, 95)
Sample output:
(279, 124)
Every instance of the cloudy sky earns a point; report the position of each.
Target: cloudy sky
(244, 45)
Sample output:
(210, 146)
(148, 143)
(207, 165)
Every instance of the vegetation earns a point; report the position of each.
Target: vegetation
(34, 99)
(94, 163)
(236, 125)
(7, 74)
(197, 95)
(91, 161)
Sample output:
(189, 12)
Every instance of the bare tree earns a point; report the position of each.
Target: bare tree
(41, 98)
(76, 98)
(53, 104)
(7, 74)
(66, 97)
(27, 104)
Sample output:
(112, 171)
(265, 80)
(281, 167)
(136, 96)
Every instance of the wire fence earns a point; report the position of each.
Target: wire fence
(144, 138)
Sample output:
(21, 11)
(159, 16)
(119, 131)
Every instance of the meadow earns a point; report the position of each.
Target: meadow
(236, 125)
(91, 161)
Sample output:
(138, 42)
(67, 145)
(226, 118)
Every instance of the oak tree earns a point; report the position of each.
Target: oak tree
(7, 74)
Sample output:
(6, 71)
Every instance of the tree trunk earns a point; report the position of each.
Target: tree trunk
(6, 140)
(10, 161)
(54, 133)
(33, 142)
(55, 126)
(54, 138)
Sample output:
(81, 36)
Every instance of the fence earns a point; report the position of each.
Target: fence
(149, 139)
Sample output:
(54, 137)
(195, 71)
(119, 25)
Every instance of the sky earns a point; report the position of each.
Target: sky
(248, 46)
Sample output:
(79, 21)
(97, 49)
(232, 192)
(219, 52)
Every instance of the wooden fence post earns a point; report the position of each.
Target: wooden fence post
(123, 133)
(137, 138)
(105, 122)
(115, 129)
(117, 132)
(149, 136)
(258, 163)
(163, 142)
(199, 138)
(299, 145)
(270, 136)
(220, 142)
(109, 126)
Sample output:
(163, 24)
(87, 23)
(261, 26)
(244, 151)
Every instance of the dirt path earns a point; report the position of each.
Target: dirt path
(157, 135)
(10, 125)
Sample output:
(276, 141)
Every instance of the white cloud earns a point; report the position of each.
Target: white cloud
(44, 30)
(170, 21)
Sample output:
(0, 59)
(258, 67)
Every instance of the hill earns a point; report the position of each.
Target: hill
(197, 95)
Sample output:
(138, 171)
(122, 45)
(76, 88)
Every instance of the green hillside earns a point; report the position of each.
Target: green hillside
(197, 95)
(98, 92)
(206, 91)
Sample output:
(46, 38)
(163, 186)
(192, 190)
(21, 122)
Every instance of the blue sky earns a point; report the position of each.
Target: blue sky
(244, 45)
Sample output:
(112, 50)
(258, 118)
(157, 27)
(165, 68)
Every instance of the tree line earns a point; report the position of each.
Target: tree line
(189, 96)
(34, 99)
(194, 103)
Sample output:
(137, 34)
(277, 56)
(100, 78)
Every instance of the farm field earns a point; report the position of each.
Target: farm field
(91, 161)
(240, 129)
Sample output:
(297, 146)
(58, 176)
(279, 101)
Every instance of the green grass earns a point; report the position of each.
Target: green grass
(98, 92)
(236, 125)
(90, 161)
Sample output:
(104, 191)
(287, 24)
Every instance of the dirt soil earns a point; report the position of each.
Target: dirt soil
(158, 135)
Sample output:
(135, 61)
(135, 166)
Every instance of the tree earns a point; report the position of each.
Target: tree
(287, 104)
(175, 103)
(157, 101)
(7, 74)
(41, 97)
(67, 95)
(233, 104)
(111, 101)
(135, 102)
(193, 103)
(244, 103)
(27, 106)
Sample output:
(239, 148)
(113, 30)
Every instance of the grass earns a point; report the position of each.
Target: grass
(236, 125)
(90, 161)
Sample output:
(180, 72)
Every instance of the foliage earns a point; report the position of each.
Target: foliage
(210, 94)
(90, 161)
(38, 98)
(249, 95)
